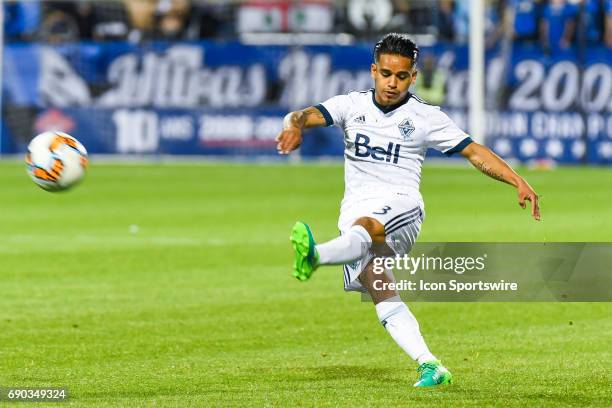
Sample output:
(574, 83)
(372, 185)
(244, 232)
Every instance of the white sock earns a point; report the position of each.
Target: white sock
(404, 328)
(346, 248)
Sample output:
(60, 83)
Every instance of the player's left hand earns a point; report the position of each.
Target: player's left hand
(526, 193)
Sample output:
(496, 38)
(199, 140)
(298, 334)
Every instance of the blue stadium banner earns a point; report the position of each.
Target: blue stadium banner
(210, 98)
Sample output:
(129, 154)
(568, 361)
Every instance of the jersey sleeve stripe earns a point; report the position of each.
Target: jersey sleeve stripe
(459, 147)
(328, 118)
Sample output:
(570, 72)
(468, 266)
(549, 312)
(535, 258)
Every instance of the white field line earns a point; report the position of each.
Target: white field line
(24, 243)
(195, 160)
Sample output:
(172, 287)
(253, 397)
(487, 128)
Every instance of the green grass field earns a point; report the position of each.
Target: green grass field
(169, 285)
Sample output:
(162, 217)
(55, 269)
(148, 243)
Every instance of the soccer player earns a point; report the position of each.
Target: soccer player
(387, 131)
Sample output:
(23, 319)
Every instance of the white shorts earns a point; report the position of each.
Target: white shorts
(402, 217)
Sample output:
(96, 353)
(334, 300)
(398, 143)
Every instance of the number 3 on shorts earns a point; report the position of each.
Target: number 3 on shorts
(383, 210)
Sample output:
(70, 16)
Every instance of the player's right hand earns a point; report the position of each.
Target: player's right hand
(288, 140)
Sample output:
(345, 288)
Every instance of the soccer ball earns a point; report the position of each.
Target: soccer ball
(56, 161)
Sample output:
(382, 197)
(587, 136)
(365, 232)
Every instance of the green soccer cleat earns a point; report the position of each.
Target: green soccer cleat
(306, 256)
(433, 373)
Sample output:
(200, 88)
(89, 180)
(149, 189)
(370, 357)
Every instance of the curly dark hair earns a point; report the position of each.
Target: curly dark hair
(397, 44)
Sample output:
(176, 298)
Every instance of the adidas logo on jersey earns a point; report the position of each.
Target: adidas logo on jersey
(363, 149)
(360, 119)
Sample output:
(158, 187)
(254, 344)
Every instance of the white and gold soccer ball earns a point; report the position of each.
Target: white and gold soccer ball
(56, 161)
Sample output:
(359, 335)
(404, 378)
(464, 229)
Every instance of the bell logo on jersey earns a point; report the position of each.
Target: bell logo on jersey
(363, 149)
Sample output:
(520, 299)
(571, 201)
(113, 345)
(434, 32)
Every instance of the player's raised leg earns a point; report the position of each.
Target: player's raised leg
(350, 246)
(306, 256)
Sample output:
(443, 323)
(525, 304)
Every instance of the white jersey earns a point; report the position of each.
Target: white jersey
(384, 147)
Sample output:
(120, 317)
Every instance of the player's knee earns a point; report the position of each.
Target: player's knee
(374, 228)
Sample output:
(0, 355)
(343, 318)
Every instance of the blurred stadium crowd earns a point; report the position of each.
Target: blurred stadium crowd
(553, 24)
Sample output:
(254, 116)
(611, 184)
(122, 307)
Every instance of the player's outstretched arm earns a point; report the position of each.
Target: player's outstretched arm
(290, 138)
(493, 166)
